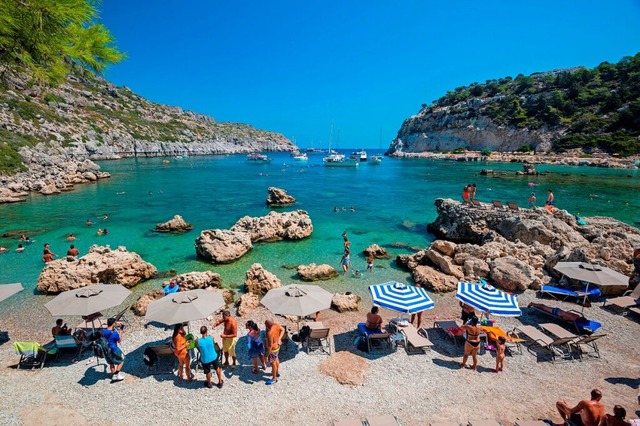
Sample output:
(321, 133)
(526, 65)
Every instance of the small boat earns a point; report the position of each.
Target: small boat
(339, 160)
(359, 155)
(375, 160)
(314, 151)
(258, 158)
(301, 157)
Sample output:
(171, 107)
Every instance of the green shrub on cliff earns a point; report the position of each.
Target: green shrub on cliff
(598, 108)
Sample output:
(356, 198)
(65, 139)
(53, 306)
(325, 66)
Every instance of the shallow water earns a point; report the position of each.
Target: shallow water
(393, 203)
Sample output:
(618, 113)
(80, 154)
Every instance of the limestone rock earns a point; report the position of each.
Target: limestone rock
(313, 272)
(175, 225)
(140, 307)
(227, 295)
(343, 302)
(377, 251)
(260, 281)
(512, 274)
(445, 264)
(196, 280)
(277, 197)
(49, 189)
(346, 367)
(276, 226)
(433, 280)
(474, 268)
(445, 247)
(247, 303)
(222, 246)
(100, 265)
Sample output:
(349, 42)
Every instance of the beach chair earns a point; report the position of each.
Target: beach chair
(484, 423)
(497, 204)
(450, 328)
(512, 341)
(629, 299)
(32, 354)
(416, 340)
(383, 420)
(513, 206)
(477, 204)
(581, 324)
(562, 294)
(349, 422)
(162, 352)
(66, 343)
(318, 339)
(378, 341)
(556, 347)
(531, 423)
(589, 343)
(635, 310)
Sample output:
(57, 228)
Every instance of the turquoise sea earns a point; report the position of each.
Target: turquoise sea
(393, 203)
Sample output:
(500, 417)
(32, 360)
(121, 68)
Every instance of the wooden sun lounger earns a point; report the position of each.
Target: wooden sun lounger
(513, 206)
(555, 347)
(589, 342)
(558, 331)
(497, 204)
(416, 342)
(630, 299)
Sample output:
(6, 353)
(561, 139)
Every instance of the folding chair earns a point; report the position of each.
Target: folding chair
(513, 206)
(497, 204)
(589, 342)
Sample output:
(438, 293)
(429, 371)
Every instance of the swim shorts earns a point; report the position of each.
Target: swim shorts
(229, 345)
(206, 367)
(273, 356)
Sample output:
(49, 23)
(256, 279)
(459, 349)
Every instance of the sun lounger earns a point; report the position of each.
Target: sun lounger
(513, 206)
(512, 341)
(556, 347)
(484, 423)
(66, 343)
(590, 343)
(582, 325)
(531, 423)
(319, 339)
(384, 420)
(451, 329)
(497, 204)
(635, 310)
(416, 340)
(477, 204)
(32, 354)
(349, 422)
(629, 299)
(560, 293)
(558, 331)
(375, 338)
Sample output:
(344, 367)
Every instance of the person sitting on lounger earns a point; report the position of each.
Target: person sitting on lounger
(374, 320)
(588, 412)
(617, 419)
(60, 329)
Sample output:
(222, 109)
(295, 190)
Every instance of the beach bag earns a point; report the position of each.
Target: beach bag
(101, 348)
(304, 333)
(149, 357)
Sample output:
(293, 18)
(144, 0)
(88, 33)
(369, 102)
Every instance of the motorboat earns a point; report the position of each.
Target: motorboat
(360, 155)
(300, 157)
(339, 160)
(375, 160)
(258, 158)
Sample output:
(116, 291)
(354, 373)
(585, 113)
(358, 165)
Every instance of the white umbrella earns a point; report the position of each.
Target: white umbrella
(87, 300)
(185, 306)
(8, 290)
(489, 299)
(298, 300)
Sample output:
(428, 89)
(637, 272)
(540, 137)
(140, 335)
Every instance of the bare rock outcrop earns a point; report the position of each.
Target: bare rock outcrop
(176, 225)
(513, 275)
(222, 246)
(247, 303)
(100, 265)
(197, 280)
(445, 264)
(260, 281)
(276, 226)
(377, 251)
(446, 248)
(140, 307)
(433, 280)
(277, 197)
(343, 302)
(313, 272)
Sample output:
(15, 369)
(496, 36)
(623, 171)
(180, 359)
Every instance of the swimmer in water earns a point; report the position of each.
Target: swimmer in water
(20, 248)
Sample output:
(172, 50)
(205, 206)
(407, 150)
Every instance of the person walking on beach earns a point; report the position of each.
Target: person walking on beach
(550, 198)
(472, 344)
(181, 351)
(370, 259)
(275, 333)
(345, 262)
(500, 353)
(116, 357)
(255, 346)
(588, 412)
(229, 337)
(532, 200)
(208, 357)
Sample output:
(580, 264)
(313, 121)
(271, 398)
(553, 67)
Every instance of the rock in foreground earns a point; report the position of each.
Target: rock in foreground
(176, 225)
(313, 272)
(346, 367)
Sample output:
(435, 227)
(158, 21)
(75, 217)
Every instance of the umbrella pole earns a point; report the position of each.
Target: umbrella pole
(584, 301)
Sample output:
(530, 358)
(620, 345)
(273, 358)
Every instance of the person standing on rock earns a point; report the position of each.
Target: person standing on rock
(473, 191)
(465, 194)
(550, 198)
(532, 200)
(275, 333)
(229, 337)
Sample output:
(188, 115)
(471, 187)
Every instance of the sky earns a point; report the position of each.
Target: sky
(296, 67)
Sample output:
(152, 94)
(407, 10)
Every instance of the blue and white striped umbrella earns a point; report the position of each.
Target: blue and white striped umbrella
(489, 299)
(401, 297)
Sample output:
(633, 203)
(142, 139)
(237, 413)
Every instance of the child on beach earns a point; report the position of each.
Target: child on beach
(500, 353)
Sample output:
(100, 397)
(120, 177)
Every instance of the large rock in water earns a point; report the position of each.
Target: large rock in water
(377, 251)
(175, 225)
(100, 265)
(260, 281)
(276, 226)
(313, 272)
(222, 246)
(277, 197)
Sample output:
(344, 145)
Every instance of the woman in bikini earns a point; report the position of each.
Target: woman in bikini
(472, 344)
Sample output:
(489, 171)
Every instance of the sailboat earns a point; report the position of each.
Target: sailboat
(334, 159)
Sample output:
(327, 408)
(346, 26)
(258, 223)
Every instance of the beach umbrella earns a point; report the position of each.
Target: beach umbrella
(299, 300)
(185, 306)
(401, 297)
(486, 298)
(8, 290)
(594, 274)
(87, 300)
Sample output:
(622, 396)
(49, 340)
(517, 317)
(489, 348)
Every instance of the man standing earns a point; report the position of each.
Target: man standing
(589, 412)
(229, 337)
(275, 332)
(116, 357)
(208, 357)
(550, 198)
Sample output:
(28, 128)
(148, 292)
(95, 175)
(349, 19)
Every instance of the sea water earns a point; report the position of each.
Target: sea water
(393, 202)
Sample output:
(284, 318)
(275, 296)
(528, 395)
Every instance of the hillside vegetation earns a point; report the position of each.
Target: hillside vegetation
(584, 108)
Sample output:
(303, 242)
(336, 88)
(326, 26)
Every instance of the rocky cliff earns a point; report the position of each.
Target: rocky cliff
(47, 131)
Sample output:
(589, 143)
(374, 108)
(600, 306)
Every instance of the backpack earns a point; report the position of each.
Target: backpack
(101, 347)
(149, 357)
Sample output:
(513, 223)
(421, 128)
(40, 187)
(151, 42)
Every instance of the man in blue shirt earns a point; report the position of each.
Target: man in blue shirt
(208, 357)
(173, 287)
(116, 357)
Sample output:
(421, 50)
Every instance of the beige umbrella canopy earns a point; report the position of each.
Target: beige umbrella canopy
(299, 300)
(87, 300)
(8, 290)
(591, 273)
(184, 306)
